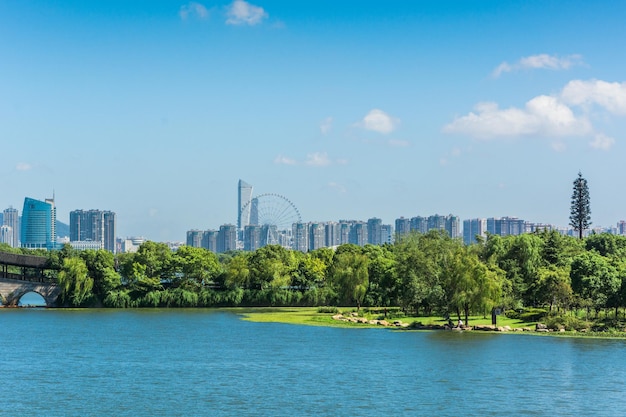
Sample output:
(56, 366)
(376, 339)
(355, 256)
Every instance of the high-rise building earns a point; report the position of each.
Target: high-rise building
(227, 238)
(621, 227)
(194, 238)
(345, 228)
(244, 198)
(419, 224)
(254, 211)
(6, 234)
(300, 232)
(93, 225)
(358, 233)
(473, 228)
(11, 218)
(387, 233)
(317, 236)
(332, 234)
(374, 231)
(505, 226)
(403, 226)
(251, 237)
(38, 224)
(453, 226)
(209, 240)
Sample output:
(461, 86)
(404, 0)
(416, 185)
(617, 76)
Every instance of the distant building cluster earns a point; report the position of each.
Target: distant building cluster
(36, 228)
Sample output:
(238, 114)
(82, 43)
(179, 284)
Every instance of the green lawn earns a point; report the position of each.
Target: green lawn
(311, 316)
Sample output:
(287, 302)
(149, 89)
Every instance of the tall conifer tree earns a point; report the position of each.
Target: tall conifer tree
(580, 213)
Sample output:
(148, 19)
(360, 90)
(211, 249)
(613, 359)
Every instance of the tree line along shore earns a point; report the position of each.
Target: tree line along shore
(569, 283)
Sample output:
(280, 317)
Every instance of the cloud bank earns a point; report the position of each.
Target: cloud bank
(541, 61)
(565, 114)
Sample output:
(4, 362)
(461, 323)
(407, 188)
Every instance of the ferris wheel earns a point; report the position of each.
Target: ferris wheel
(273, 210)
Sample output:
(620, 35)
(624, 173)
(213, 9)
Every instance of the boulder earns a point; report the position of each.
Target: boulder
(540, 326)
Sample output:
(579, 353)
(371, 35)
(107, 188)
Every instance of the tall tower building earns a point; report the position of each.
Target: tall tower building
(6, 234)
(403, 227)
(194, 238)
(300, 232)
(374, 231)
(317, 236)
(244, 204)
(358, 233)
(473, 228)
(11, 218)
(93, 225)
(251, 238)
(226, 238)
(38, 224)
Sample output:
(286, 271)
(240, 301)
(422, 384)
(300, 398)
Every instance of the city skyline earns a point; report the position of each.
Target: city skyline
(153, 110)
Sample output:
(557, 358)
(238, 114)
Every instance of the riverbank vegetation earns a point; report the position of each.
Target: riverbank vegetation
(569, 283)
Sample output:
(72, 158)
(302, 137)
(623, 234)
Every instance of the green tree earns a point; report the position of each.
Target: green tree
(195, 267)
(580, 211)
(271, 267)
(101, 268)
(594, 279)
(350, 274)
(553, 286)
(74, 282)
(469, 284)
(237, 272)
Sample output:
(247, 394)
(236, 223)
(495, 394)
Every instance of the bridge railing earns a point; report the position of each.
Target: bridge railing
(19, 277)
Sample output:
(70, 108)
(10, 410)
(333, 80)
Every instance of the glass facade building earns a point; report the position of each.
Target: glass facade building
(38, 224)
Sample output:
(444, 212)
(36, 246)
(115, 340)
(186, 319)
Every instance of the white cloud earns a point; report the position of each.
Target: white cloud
(565, 114)
(611, 96)
(541, 116)
(314, 159)
(241, 12)
(317, 159)
(602, 142)
(326, 125)
(193, 9)
(337, 187)
(283, 160)
(23, 166)
(379, 121)
(541, 61)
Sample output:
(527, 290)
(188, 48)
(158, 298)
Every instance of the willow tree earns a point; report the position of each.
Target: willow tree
(580, 213)
(74, 282)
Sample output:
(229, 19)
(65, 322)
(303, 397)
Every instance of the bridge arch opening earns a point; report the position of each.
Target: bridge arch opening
(32, 299)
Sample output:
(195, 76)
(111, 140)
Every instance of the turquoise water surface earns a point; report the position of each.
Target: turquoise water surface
(210, 363)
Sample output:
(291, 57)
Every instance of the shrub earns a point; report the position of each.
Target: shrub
(332, 310)
(566, 322)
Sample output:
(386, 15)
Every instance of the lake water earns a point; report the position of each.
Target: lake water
(212, 363)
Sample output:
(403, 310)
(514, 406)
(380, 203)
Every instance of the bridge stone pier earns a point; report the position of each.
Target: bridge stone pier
(11, 290)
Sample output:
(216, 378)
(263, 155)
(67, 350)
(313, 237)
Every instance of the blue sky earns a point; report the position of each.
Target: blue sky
(155, 109)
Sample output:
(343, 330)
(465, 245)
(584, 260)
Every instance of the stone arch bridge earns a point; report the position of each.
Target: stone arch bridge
(20, 274)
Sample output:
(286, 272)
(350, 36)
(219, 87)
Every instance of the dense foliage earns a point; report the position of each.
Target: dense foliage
(425, 274)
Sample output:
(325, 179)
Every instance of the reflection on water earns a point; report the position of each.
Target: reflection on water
(208, 362)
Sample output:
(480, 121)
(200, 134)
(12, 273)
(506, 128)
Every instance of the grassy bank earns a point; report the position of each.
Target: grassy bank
(314, 316)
